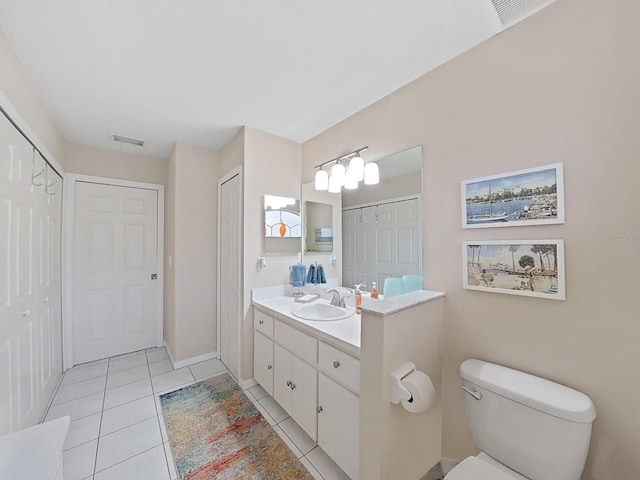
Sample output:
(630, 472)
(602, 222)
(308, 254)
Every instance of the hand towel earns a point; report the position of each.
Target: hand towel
(311, 273)
(321, 276)
(298, 274)
(314, 278)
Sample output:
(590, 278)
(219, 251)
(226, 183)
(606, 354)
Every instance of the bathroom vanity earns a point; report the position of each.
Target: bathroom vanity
(317, 372)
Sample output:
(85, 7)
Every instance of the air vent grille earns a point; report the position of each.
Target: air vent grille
(132, 141)
(512, 11)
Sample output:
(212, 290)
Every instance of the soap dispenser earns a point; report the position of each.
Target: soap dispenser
(358, 298)
(374, 290)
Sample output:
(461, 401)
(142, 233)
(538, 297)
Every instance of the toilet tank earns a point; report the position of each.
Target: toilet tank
(536, 427)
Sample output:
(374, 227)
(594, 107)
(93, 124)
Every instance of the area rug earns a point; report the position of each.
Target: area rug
(215, 432)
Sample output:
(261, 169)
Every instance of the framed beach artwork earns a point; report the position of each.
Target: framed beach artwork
(534, 196)
(533, 268)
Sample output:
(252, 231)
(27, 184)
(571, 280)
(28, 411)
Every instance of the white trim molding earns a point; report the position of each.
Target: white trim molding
(189, 361)
(68, 202)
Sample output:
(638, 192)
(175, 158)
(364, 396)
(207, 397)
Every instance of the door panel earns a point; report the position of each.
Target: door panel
(30, 293)
(115, 256)
(230, 293)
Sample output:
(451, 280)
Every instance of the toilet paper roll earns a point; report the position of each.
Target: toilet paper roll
(423, 394)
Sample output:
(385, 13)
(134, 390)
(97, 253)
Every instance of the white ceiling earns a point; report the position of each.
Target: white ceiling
(195, 71)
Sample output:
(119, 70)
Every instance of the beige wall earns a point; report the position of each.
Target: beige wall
(561, 86)
(113, 164)
(20, 90)
(271, 166)
(191, 297)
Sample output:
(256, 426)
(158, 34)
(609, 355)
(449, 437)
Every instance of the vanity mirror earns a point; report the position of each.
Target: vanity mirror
(282, 225)
(377, 228)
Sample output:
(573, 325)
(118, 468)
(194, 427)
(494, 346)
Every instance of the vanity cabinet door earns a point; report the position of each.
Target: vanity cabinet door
(282, 377)
(305, 397)
(339, 424)
(263, 361)
(295, 388)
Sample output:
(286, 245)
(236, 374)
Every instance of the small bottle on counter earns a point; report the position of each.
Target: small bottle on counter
(374, 290)
(358, 299)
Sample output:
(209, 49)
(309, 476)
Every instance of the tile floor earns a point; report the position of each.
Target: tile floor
(117, 431)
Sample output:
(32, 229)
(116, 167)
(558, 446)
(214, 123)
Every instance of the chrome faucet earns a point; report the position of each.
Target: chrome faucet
(336, 299)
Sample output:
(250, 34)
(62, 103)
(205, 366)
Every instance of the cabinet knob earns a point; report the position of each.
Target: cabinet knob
(261, 322)
(293, 385)
(45, 299)
(319, 409)
(269, 367)
(288, 383)
(26, 312)
(336, 364)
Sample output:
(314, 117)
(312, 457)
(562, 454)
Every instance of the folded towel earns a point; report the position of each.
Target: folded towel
(298, 273)
(321, 277)
(311, 273)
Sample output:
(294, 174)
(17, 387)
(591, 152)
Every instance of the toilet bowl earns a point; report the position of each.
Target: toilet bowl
(538, 429)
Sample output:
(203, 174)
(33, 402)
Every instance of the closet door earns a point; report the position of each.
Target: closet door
(49, 291)
(19, 396)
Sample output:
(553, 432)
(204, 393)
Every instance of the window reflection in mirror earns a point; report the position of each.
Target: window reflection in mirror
(282, 224)
(387, 248)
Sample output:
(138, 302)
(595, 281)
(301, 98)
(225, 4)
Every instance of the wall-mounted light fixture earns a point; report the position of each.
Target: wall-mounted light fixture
(349, 177)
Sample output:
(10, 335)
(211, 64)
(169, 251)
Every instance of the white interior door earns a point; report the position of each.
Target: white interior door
(30, 329)
(115, 270)
(381, 241)
(229, 217)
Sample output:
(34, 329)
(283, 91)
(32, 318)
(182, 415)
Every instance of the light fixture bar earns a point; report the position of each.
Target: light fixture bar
(343, 157)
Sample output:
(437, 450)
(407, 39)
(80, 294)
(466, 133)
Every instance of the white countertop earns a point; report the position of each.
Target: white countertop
(344, 334)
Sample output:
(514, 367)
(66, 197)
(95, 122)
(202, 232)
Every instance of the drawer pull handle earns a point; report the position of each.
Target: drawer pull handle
(269, 367)
(319, 409)
(336, 364)
(261, 322)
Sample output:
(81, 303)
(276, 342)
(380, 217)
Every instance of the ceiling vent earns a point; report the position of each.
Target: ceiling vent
(132, 141)
(512, 11)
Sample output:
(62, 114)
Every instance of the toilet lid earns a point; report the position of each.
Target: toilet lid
(473, 468)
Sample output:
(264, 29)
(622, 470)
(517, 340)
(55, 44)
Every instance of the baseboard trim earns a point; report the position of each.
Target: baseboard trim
(447, 464)
(189, 361)
(244, 384)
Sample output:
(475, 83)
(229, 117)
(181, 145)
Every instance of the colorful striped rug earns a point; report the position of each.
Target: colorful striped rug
(215, 432)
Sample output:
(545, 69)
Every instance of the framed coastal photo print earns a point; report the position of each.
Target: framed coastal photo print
(533, 268)
(534, 196)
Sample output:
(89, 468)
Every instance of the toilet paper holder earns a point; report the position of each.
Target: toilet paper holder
(398, 391)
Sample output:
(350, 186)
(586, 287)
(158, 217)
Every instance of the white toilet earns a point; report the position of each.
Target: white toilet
(527, 427)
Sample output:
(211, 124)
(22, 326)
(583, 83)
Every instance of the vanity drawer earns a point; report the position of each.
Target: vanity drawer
(263, 323)
(340, 366)
(303, 345)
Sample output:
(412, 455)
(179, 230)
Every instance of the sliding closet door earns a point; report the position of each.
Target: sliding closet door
(30, 356)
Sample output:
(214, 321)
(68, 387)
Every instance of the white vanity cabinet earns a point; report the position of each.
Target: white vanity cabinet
(314, 382)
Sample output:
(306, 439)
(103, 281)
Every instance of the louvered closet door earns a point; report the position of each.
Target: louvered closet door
(115, 259)
(23, 363)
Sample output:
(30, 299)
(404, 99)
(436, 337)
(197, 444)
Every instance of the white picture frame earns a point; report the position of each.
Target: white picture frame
(534, 196)
(531, 268)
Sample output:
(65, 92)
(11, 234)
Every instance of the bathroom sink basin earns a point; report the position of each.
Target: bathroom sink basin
(321, 312)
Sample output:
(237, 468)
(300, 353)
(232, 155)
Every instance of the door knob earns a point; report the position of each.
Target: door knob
(26, 312)
(269, 367)
(336, 364)
(319, 409)
(45, 300)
